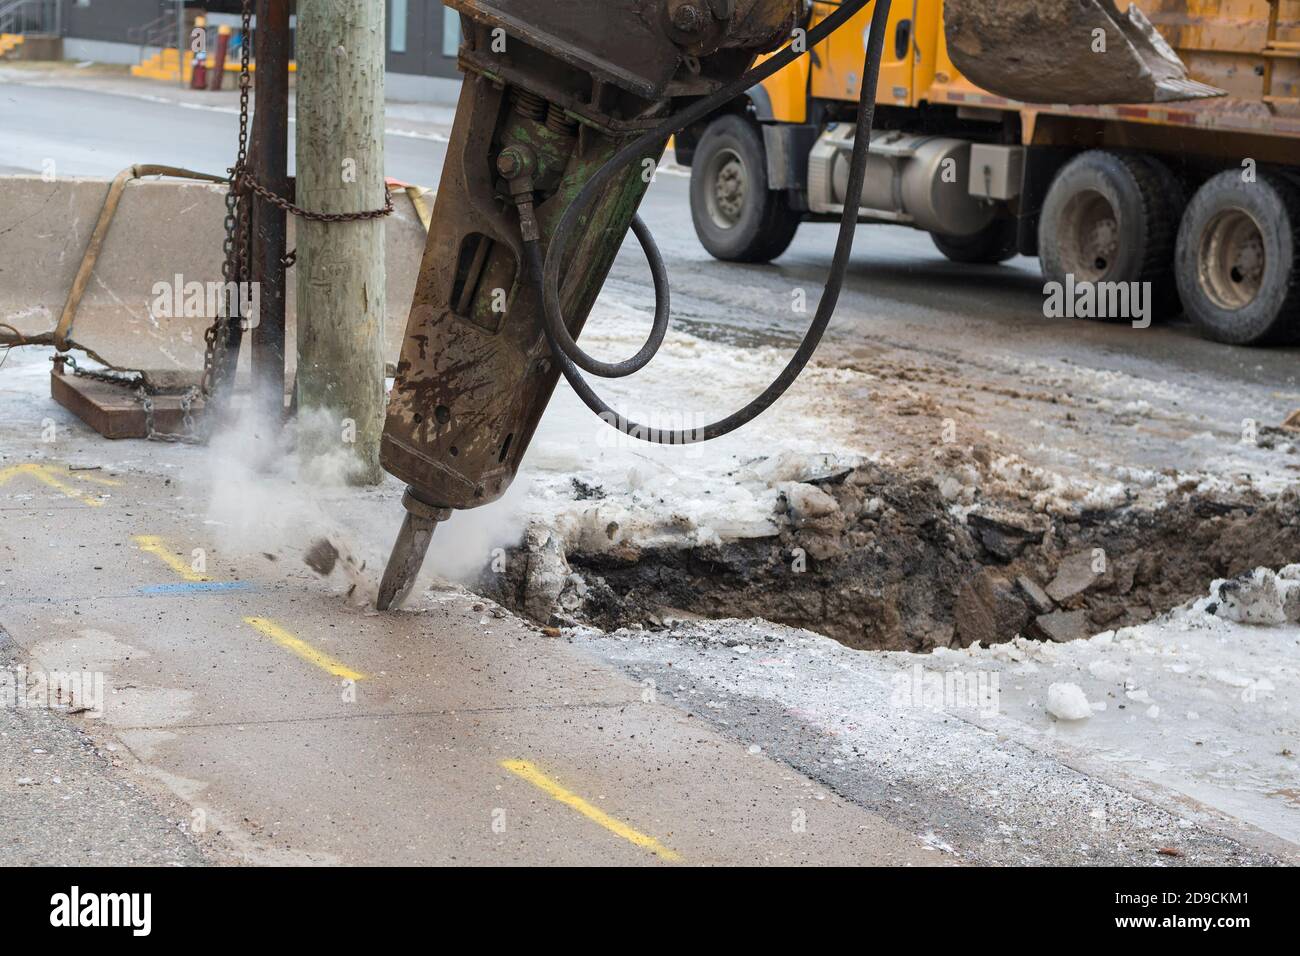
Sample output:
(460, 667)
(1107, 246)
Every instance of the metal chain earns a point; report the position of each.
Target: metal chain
(301, 213)
(130, 379)
(190, 434)
(241, 176)
(235, 262)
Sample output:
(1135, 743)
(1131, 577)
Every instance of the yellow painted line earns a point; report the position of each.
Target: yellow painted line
(157, 547)
(304, 650)
(52, 476)
(526, 771)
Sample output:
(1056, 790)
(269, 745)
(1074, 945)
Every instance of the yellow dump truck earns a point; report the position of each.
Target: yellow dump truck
(1199, 201)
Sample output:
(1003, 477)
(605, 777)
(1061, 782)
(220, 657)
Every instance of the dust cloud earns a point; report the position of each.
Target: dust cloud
(268, 506)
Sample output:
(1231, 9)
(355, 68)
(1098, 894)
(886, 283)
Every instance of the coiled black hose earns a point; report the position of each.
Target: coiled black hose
(658, 329)
(546, 270)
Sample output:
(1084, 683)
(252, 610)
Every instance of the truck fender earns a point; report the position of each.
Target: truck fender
(756, 102)
(788, 146)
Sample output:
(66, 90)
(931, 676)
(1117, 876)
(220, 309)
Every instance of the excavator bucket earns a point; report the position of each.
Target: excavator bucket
(1067, 52)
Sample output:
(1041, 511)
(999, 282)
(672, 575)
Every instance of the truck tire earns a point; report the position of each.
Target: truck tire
(995, 243)
(1237, 264)
(1113, 217)
(737, 218)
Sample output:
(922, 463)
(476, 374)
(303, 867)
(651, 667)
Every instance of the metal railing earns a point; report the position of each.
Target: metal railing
(31, 16)
(158, 34)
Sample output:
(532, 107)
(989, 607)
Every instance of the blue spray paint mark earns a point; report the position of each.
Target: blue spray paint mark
(192, 587)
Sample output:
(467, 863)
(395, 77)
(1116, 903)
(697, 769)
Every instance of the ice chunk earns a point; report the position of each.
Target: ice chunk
(1260, 597)
(807, 502)
(1068, 702)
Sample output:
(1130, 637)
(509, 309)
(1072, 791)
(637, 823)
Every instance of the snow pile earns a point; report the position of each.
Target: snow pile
(601, 490)
(1203, 700)
(1185, 432)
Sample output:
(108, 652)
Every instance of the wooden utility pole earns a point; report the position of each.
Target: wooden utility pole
(340, 265)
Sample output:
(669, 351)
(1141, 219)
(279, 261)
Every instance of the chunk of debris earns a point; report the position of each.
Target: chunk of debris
(1105, 614)
(547, 574)
(321, 557)
(1068, 702)
(1126, 573)
(1077, 574)
(1260, 597)
(586, 491)
(1004, 534)
(806, 503)
(988, 610)
(1064, 626)
(793, 467)
(1036, 597)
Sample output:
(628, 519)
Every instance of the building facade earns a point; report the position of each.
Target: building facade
(422, 36)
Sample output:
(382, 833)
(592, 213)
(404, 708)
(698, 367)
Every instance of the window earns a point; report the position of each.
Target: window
(450, 32)
(397, 26)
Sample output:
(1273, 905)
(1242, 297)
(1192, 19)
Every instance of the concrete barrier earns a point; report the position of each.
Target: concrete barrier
(163, 229)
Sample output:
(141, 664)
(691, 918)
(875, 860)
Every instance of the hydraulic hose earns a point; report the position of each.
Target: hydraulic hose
(658, 329)
(546, 269)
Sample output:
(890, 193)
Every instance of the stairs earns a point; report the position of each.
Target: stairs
(9, 42)
(163, 64)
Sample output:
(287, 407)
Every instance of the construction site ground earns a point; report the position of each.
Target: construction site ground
(621, 662)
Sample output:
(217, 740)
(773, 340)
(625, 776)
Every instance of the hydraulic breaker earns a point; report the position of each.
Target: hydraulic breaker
(554, 89)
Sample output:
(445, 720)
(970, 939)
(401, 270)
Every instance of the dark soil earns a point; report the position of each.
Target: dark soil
(892, 568)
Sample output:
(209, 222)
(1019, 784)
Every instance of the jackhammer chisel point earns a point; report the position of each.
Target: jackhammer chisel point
(409, 549)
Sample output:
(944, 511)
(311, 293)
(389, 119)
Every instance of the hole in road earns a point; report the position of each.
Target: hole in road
(893, 566)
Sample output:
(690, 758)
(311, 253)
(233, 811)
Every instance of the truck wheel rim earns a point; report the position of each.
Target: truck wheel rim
(1090, 236)
(728, 184)
(1231, 259)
